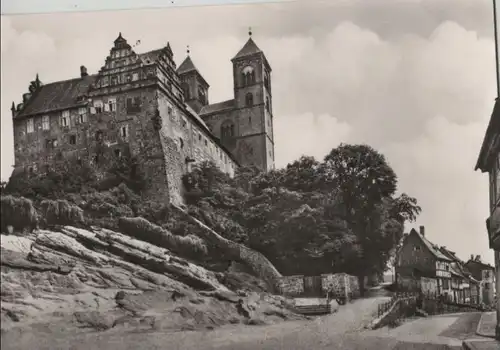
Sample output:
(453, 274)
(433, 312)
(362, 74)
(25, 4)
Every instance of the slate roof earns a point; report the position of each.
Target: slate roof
(187, 66)
(218, 107)
(434, 249)
(151, 56)
(248, 49)
(57, 95)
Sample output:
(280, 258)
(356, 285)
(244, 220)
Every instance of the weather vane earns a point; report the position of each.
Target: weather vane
(188, 50)
(250, 31)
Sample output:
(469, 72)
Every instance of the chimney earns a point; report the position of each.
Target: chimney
(478, 258)
(422, 230)
(83, 71)
(472, 256)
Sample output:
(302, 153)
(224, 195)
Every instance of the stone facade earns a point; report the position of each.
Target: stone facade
(292, 285)
(342, 284)
(142, 105)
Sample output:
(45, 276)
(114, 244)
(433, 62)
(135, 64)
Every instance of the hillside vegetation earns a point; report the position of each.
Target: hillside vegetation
(83, 240)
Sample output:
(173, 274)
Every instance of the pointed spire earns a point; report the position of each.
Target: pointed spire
(13, 107)
(38, 83)
(188, 51)
(250, 31)
(169, 49)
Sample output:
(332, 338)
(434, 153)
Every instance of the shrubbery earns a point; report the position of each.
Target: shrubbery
(61, 212)
(140, 228)
(19, 213)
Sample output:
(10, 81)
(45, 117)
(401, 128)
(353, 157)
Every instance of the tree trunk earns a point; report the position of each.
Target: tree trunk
(257, 262)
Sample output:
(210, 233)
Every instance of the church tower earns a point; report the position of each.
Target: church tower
(193, 84)
(253, 102)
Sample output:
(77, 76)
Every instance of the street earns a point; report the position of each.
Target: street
(342, 330)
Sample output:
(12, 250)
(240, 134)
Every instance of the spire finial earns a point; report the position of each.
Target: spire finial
(250, 31)
(188, 51)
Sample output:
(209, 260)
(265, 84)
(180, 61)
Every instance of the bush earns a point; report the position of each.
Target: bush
(61, 212)
(140, 228)
(18, 213)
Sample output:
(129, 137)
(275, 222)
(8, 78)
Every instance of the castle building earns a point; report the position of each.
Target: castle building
(143, 105)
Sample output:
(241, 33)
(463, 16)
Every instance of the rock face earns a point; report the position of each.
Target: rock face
(100, 280)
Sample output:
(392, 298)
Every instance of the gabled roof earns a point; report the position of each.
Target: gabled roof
(217, 107)
(250, 48)
(187, 66)
(58, 95)
(434, 249)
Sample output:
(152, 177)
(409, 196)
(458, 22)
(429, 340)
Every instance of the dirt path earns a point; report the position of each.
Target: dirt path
(312, 334)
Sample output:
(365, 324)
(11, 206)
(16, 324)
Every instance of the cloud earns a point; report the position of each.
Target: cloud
(415, 79)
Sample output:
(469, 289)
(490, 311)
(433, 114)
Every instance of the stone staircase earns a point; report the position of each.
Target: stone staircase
(313, 306)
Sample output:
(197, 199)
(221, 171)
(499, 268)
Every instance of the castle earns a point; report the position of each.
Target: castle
(142, 104)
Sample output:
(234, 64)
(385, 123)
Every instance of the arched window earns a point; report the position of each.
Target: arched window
(249, 100)
(247, 76)
(227, 130)
(266, 81)
(201, 95)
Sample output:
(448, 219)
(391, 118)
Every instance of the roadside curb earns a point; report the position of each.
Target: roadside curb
(479, 326)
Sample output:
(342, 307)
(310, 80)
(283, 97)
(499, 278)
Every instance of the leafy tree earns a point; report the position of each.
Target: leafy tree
(367, 184)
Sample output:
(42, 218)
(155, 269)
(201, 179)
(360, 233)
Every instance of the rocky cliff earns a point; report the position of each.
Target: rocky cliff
(100, 280)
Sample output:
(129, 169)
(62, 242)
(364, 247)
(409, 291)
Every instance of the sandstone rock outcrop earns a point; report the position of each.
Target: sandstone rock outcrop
(99, 279)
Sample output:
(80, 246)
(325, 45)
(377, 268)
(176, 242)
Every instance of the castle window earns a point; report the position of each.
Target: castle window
(72, 139)
(249, 100)
(64, 121)
(112, 104)
(133, 105)
(206, 142)
(114, 80)
(45, 122)
(98, 106)
(124, 132)
(201, 96)
(135, 76)
(128, 78)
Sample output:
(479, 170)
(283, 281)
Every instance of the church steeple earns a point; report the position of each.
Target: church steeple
(194, 86)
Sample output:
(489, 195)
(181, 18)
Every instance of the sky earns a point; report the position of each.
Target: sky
(415, 79)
